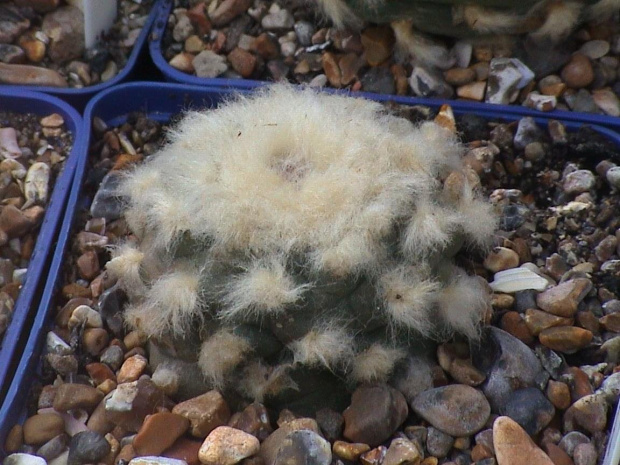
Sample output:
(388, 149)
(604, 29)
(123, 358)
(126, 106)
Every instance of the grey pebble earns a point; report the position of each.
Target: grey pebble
(112, 356)
(24, 459)
(87, 447)
(438, 443)
(507, 363)
(304, 447)
(107, 202)
(571, 440)
(585, 454)
(530, 408)
(54, 447)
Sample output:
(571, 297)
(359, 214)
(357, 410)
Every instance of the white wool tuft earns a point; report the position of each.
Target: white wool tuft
(220, 355)
(323, 347)
(265, 288)
(408, 296)
(462, 303)
(125, 266)
(339, 13)
(259, 381)
(375, 364)
(562, 17)
(170, 305)
(430, 229)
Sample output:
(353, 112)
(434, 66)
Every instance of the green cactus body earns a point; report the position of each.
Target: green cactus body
(292, 237)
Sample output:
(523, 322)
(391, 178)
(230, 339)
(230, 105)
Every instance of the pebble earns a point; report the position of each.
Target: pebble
(438, 443)
(227, 11)
(571, 440)
(526, 133)
(70, 396)
(158, 432)
(513, 446)
(538, 320)
(457, 409)
(578, 72)
(585, 454)
(151, 460)
(500, 259)
(208, 64)
(130, 403)
(516, 280)
(270, 447)
(578, 182)
(278, 20)
(402, 451)
(607, 101)
(205, 413)
(228, 446)
(563, 300)
(427, 84)
(472, 91)
(506, 77)
(107, 203)
(112, 356)
(559, 394)
(184, 449)
(566, 339)
(87, 447)
(530, 409)
(24, 459)
(86, 316)
(349, 451)
(507, 362)
(132, 369)
(557, 455)
(589, 413)
(595, 49)
(374, 414)
(378, 43)
(40, 428)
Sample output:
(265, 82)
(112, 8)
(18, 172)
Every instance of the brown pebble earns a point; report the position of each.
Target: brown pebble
(563, 299)
(512, 323)
(205, 413)
(73, 290)
(579, 383)
(98, 420)
(349, 450)
(132, 369)
(537, 320)
(501, 258)
(266, 45)
(502, 301)
(126, 454)
(158, 432)
(480, 452)
(578, 72)
(95, 340)
(611, 322)
(99, 372)
(557, 455)
(568, 339)
(134, 339)
(374, 456)
(40, 428)
(589, 321)
(242, 61)
(589, 413)
(184, 449)
(254, 420)
(459, 76)
(402, 451)
(513, 446)
(331, 69)
(558, 394)
(14, 439)
(70, 396)
(378, 43)
(227, 446)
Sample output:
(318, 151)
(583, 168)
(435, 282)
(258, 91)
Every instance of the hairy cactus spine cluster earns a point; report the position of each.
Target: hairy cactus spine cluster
(296, 229)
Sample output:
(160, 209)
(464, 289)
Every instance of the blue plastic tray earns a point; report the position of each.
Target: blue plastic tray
(171, 74)
(136, 66)
(161, 101)
(18, 101)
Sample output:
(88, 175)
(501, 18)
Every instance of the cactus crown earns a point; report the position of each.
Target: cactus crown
(294, 228)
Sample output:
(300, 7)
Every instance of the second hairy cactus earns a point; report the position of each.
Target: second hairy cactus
(296, 229)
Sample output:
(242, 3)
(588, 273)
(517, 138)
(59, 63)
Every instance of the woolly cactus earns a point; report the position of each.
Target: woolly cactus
(296, 229)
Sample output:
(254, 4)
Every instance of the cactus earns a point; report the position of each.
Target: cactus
(294, 230)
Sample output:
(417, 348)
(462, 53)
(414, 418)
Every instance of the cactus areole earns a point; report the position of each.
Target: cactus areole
(293, 239)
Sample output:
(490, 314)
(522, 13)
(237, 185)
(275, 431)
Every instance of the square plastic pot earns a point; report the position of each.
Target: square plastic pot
(12, 344)
(161, 101)
(137, 66)
(171, 74)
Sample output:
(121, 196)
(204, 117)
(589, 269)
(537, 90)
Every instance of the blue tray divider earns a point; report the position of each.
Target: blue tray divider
(20, 101)
(161, 101)
(79, 97)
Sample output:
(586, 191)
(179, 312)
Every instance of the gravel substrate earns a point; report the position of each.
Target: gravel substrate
(33, 150)
(42, 43)
(272, 41)
(539, 387)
